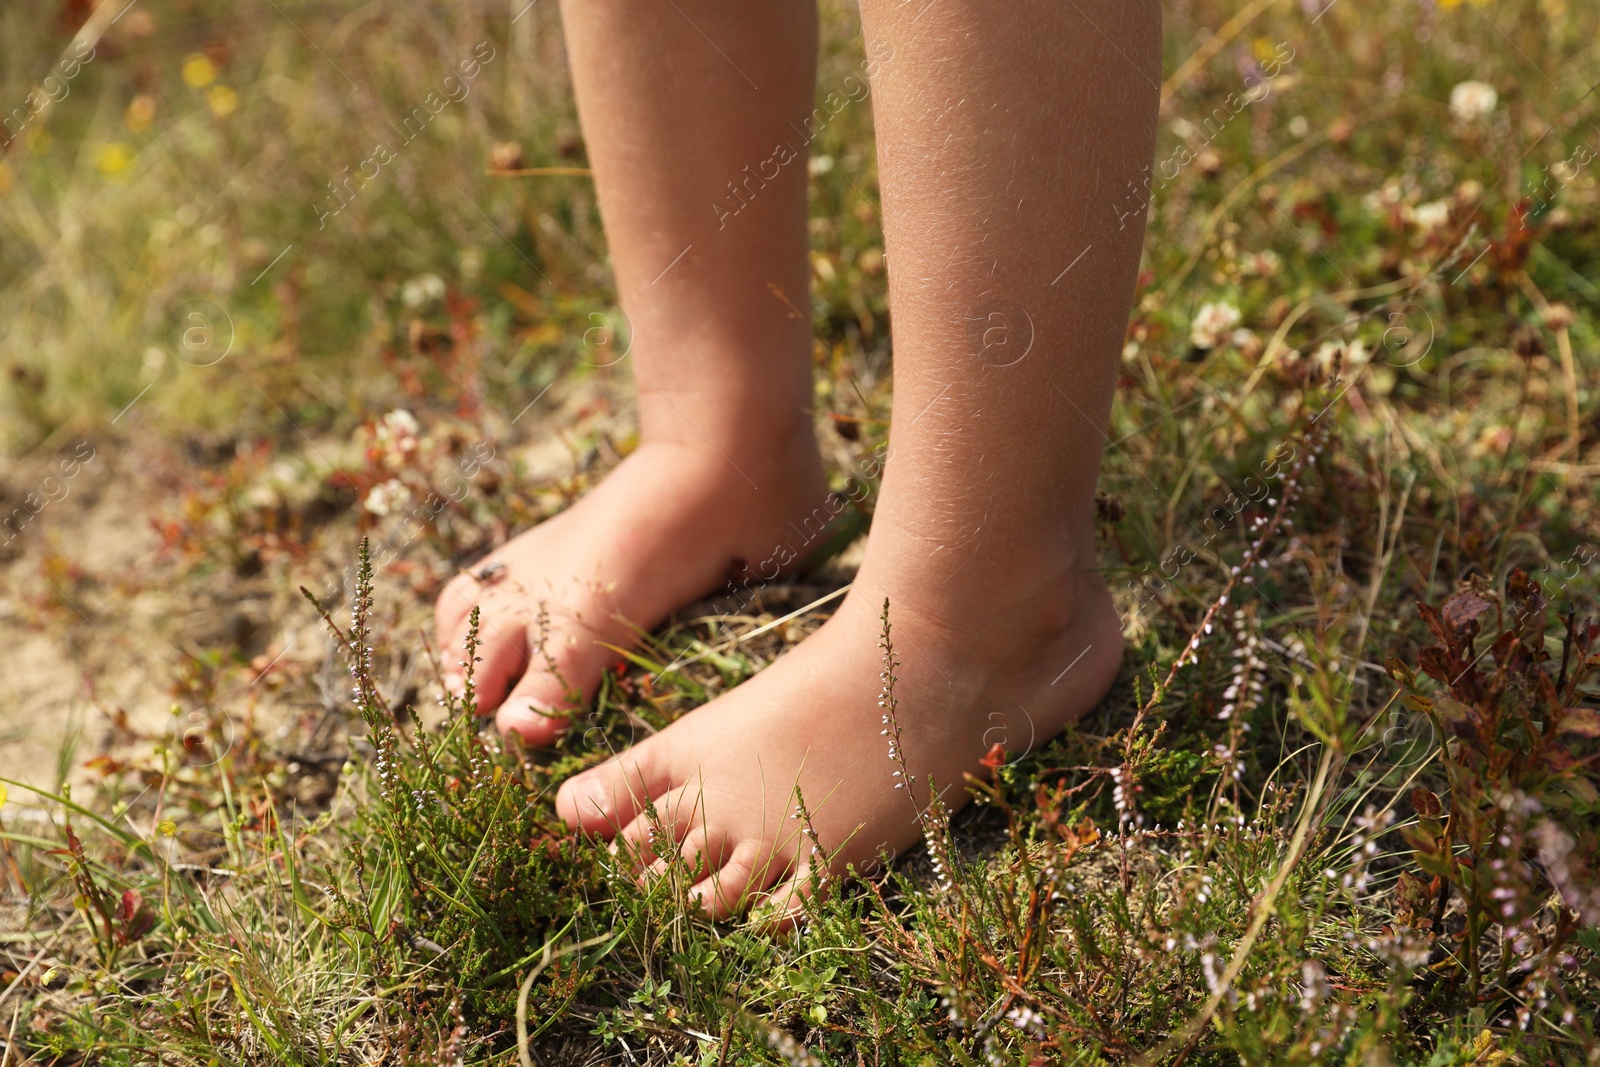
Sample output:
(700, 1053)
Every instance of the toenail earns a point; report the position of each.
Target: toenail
(527, 709)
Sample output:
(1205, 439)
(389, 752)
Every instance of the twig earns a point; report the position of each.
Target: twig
(524, 1054)
(727, 1041)
(11, 1036)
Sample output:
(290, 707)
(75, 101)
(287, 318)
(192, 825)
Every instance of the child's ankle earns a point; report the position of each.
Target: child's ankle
(777, 452)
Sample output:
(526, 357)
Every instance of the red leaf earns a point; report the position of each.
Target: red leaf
(135, 917)
(1412, 893)
(1519, 586)
(129, 907)
(1462, 610)
(1438, 664)
(1425, 802)
(1431, 617)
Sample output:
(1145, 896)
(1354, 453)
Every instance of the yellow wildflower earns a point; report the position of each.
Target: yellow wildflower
(113, 158)
(223, 100)
(199, 71)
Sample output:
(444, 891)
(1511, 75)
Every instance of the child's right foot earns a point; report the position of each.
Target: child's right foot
(663, 529)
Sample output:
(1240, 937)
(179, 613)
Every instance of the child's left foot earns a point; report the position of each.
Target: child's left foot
(723, 779)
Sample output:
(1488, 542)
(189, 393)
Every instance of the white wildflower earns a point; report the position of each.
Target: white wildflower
(387, 497)
(789, 1050)
(398, 433)
(1355, 354)
(421, 290)
(1430, 216)
(1212, 323)
(1025, 1018)
(1315, 986)
(1263, 264)
(400, 423)
(1472, 101)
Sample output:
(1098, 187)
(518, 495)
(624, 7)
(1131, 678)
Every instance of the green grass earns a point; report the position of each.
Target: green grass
(1341, 807)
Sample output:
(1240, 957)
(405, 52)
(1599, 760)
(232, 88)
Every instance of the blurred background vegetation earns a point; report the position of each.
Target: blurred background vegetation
(195, 165)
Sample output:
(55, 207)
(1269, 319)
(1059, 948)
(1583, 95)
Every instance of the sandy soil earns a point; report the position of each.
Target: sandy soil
(76, 648)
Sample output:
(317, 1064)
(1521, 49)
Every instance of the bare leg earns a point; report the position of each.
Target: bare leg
(1007, 131)
(675, 125)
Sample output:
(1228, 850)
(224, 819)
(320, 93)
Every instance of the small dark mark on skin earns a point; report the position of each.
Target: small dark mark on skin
(490, 573)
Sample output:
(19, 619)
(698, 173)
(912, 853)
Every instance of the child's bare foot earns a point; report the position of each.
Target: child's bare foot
(723, 777)
(660, 531)
(992, 162)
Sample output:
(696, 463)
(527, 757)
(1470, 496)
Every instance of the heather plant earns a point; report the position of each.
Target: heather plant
(1514, 837)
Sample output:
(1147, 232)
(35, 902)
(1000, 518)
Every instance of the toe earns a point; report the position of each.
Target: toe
(609, 797)
(450, 613)
(503, 649)
(668, 820)
(750, 868)
(783, 906)
(554, 686)
(531, 716)
(699, 853)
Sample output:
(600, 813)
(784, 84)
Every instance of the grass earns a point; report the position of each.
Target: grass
(1341, 807)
